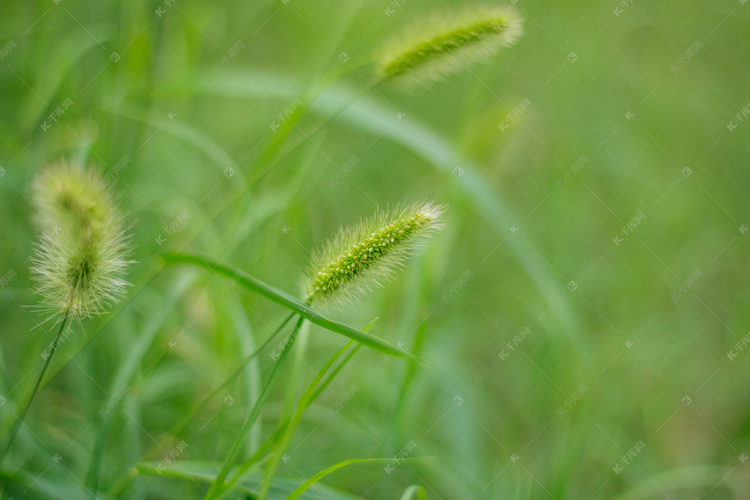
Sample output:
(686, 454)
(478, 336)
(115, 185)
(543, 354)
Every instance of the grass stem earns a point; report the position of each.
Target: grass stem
(17, 424)
(218, 484)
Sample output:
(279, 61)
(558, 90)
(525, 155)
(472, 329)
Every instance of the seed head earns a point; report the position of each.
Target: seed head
(82, 250)
(446, 43)
(366, 254)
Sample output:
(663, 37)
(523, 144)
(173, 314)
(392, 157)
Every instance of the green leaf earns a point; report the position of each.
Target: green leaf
(317, 477)
(286, 300)
(205, 472)
(218, 483)
(414, 492)
(347, 106)
(304, 403)
(698, 476)
(20, 483)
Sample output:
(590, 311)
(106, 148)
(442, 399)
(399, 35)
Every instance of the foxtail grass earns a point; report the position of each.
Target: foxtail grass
(366, 254)
(83, 245)
(448, 42)
(80, 257)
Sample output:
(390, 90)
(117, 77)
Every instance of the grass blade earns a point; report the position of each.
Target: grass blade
(125, 480)
(218, 483)
(286, 300)
(317, 477)
(304, 403)
(204, 472)
(414, 492)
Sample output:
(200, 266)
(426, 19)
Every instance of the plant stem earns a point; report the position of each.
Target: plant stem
(17, 425)
(126, 479)
(218, 484)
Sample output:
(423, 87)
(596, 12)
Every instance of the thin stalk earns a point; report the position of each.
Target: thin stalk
(309, 395)
(185, 421)
(312, 391)
(218, 484)
(17, 425)
(255, 459)
(126, 479)
(93, 337)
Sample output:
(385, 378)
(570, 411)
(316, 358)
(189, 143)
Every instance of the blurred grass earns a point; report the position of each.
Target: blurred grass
(538, 256)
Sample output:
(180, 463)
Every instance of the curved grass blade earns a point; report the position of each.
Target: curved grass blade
(286, 300)
(344, 105)
(247, 340)
(125, 480)
(415, 492)
(320, 475)
(325, 383)
(205, 472)
(698, 476)
(304, 403)
(313, 393)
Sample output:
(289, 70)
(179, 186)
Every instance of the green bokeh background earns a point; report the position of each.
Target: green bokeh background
(520, 249)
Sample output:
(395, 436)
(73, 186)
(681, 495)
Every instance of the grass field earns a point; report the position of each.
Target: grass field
(578, 328)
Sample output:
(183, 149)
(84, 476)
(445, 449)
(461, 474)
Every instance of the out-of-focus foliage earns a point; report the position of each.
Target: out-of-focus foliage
(585, 307)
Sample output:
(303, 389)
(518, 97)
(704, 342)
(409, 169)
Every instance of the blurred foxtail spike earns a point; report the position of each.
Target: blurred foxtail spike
(445, 44)
(83, 246)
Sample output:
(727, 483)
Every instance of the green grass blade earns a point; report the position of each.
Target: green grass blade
(303, 404)
(319, 389)
(25, 485)
(218, 483)
(286, 300)
(320, 475)
(125, 480)
(365, 114)
(415, 492)
(204, 472)
(202, 142)
(127, 369)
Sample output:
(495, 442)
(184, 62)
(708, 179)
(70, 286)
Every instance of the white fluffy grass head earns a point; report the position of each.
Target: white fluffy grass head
(82, 250)
(366, 254)
(447, 42)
